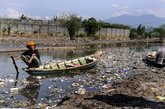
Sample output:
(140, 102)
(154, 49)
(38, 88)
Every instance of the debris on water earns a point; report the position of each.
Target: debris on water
(38, 77)
(55, 90)
(106, 86)
(42, 106)
(2, 84)
(20, 103)
(1, 97)
(81, 90)
(154, 89)
(75, 84)
(3, 91)
(114, 66)
(62, 80)
(49, 87)
(163, 86)
(160, 98)
(2, 101)
(15, 90)
(9, 80)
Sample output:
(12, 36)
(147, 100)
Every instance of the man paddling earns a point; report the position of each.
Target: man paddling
(31, 56)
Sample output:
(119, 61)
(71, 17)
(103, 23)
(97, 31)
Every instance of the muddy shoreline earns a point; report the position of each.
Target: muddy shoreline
(16, 44)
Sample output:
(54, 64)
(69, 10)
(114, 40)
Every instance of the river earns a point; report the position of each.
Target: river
(48, 90)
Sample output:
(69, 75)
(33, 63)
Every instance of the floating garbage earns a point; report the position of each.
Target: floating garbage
(38, 77)
(2, 101)
(81, 90)
(2, 84)
(1, 97)
(163, 86)
(106, 86)
(42, 106)
(3, 91)
(15, 90)
(56, 90)
(9, 80)
(75, 84)
(160, 98)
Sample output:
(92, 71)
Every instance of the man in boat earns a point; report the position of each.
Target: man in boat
(160, 55)
(31, 56)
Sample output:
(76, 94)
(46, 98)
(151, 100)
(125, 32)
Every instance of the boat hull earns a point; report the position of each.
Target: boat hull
(80, 63)
(55, 71)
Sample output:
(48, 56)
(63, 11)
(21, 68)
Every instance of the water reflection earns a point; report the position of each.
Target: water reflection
(16, 79)
(31, 90)
(147, 47)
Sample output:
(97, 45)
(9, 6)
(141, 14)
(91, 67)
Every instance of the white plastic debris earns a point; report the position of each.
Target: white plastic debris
(2, 84)
(106, 86)
(75, 84)
(15, 90)
(81, 91)
(9, 80)
(39, 77)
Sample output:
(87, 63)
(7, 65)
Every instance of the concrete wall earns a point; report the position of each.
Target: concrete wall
(42, 27)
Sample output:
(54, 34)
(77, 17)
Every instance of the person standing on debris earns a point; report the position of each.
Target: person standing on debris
(160, 55)
(31, 56)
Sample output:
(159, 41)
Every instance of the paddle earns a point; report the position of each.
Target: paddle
(16, 70)
(14, 64)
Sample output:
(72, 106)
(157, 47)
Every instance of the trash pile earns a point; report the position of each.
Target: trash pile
(132, 84)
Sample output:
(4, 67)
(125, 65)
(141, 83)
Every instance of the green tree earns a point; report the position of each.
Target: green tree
(91, 26)
(71, 22)
(73, 25)
(62, 19)
(109, 25)
(4, 30)
(133, 33)
(55, 19)
(141, 30)
(160, 32)
(23, 17)
(9, 25)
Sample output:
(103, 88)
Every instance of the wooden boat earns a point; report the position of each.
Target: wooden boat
(151, 59)
(70, 65)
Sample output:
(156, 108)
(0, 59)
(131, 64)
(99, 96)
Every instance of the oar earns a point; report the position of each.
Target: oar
(16, 79)
(16, 70)
(14, 64)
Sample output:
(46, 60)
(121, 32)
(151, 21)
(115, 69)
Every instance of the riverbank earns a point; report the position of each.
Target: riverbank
(16, 44)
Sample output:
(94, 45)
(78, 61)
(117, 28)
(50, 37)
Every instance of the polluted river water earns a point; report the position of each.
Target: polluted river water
(23, 90)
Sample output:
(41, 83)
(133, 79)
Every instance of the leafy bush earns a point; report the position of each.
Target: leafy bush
(81, 35)
(91, 26)
(4, 30)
